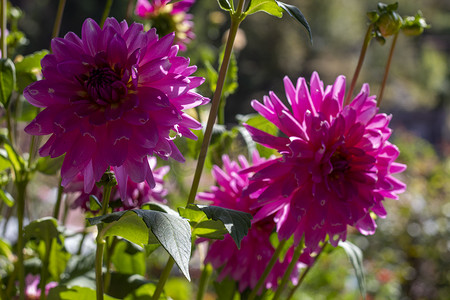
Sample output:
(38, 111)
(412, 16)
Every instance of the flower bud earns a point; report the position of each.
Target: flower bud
(389, 23)
(414, 25)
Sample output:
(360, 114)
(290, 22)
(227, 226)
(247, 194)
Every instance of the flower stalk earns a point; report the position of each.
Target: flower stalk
(58, 19)
(163, 278)
(386, 70)
(267, 270)
(362, 55)
(284, 281)
(305, 272)
(3, 24)
(236, 19)
(21, 188)
(108, 181)
(106, 12)
(204, 279)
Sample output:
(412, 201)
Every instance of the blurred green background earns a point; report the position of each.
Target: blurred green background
(409, 256)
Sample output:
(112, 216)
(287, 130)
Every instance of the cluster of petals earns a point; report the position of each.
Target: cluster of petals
(123, 196)
(247, 264)
(112, 98)
(336, 162)
(167, 17)
(32, 291)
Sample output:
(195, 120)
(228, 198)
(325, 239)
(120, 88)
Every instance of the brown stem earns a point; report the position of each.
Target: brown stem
(386, 70)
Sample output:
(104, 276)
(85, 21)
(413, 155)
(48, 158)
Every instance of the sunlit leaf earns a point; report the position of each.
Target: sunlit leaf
(7, 198)
(28, 69)
(296, 14)
(62, 292)
(356, 258)
(171, 231)
(44, 229)
(201, 225)
(224, 4)
(268, 6)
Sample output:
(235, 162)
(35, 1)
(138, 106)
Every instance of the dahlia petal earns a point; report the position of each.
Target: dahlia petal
(175, 152)
(173, 85)
(154, 70)
(397, 168)
(152, 99)
(42, 93)
(159, 49)
(89, 181)
(366, 225)
(117, 50)
(304, 100)
(316, 90)
(77, 158)
(267, 140)
(65, 50)
(90, 34)
(71, 68)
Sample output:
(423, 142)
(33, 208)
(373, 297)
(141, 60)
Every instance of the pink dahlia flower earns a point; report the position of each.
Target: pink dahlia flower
(167, 17)
(247, 264)
(111, 98)
(135, 195)
(336, 165)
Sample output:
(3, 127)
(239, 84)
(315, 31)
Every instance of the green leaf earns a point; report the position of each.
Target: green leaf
(144, 292)
(5, 163)
(236, 222)
(74, 293)
(44, 229)
(49, 166)
(7, 198)
(28, 69)
(5, 249)
(7, 80)
(268, 6)
(59, 258)
(201, 225)
(94, 203)
(356, 258)
(128, 262)
(172, 232)
(17, 162)
(296, 14)
(224, 4)
(225, 289)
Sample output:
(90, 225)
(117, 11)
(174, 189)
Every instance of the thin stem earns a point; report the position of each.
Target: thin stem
(267, 270)
(99, 266)
(366, 42)
(80, 246)
(297, 252)
(204, 279)
(9, 125)
(106, 12)
(236, 19)
(221, 113)
(44, 270)
(58, 18)
(3, 37)
(163, 278)
(129, 10)
(101, 243)
(111, 245)
(305, 272)
(386, 70)
(57, 207)
(21, 188)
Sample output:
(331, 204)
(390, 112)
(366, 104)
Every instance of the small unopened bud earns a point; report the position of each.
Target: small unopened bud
(414, 25)
(389, 23)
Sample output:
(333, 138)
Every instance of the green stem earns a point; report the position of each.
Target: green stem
(365, 45)
(284, 281)
(109, 251)
(101, 243)
(99, 266)
(236, 19)
(80, 246)
(305, 272)
(106, 12)
(21, 188)
(204, 279)
(386, 70)
(130, 6)
(267, 270)
(58, 18)
(57, 207)
(8, 124)
(163, 278)
(44, 269)
(3, 37)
